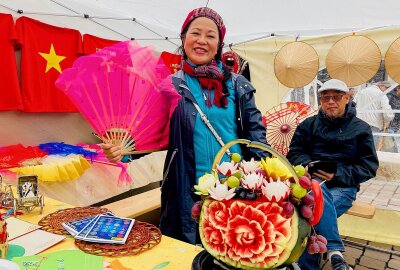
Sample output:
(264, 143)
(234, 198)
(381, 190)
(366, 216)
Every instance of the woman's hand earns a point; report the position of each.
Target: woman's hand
(112, 152)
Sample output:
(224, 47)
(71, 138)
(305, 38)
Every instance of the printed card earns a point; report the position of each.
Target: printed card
(76, 226)
(108, 229)
(81, 235)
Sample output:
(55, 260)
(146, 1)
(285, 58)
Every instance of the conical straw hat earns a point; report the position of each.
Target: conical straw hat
(296, 64)
(353, 59)
(392, 61)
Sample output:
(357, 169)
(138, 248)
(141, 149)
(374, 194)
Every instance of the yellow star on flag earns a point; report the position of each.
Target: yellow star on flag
(53, 60)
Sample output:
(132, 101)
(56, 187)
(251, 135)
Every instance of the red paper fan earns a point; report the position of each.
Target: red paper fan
(18, 155)
(281, 122)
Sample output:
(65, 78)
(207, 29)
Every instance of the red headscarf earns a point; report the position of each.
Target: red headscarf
(208, 13)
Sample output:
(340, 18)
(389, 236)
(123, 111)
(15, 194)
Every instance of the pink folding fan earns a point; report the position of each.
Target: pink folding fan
(125, 94)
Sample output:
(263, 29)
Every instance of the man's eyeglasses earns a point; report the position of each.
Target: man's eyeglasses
(335, 98)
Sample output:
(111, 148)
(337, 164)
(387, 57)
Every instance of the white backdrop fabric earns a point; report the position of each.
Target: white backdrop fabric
(245, 20)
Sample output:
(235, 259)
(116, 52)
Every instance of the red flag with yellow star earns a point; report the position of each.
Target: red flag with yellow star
(172, 61)
(47, 50)
(10, 94)
(92, 44)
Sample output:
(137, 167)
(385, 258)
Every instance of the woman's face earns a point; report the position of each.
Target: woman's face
(201, 41)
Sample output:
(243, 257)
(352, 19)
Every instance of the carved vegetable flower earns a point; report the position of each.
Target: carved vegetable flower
(252, 181)
(275, 169)
(276, 191)
(249, 166)
(206, 182)
(221, 192)
(227, 168)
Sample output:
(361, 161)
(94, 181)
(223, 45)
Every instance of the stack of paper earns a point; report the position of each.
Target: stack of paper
(28, 236)
(17, 227)
(104, 228)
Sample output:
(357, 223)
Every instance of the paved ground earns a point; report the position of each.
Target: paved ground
(363, 255)
(381, 193)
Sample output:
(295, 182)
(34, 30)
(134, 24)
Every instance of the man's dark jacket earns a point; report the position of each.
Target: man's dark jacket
(177, 193)
(347, 140)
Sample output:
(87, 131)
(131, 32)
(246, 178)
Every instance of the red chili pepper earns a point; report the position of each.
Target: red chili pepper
(319, 202)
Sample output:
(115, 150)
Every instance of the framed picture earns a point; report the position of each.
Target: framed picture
(28, 186)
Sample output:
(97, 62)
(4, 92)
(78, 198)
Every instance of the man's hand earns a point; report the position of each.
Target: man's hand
(112, 152)
(324, 175)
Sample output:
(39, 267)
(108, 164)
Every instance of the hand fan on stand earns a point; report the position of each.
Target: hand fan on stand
(125, 94)
(281, 122)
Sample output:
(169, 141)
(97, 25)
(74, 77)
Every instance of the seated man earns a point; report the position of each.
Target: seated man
(335, 134)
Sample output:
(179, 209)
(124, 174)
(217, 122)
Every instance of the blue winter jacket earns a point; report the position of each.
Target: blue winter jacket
(347, 140)
(177, 192)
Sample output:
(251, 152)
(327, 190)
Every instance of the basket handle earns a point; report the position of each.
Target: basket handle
(258, 145)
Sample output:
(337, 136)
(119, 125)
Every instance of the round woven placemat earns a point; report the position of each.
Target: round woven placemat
(142, 237)
(52, 222)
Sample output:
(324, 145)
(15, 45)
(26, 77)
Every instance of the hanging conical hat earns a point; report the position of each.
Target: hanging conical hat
(296, 64)
(392, 61)
(354, 60)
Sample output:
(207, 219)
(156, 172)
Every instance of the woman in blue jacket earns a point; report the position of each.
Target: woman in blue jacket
(226, 99)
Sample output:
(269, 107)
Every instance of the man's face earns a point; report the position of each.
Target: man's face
(333, 103)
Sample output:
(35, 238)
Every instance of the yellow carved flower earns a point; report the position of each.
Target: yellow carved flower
(275, 169)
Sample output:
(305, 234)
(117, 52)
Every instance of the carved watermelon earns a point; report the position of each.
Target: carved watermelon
(252, 234)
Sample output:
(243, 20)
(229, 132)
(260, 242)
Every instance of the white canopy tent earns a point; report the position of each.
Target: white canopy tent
(152, 21)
